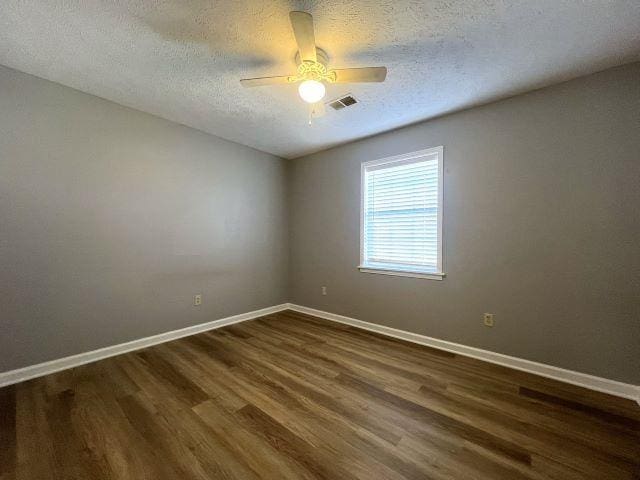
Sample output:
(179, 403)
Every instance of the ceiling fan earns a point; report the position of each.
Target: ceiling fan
(312, 68)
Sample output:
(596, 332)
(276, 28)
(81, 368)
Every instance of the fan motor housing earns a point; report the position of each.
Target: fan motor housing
(321, 56)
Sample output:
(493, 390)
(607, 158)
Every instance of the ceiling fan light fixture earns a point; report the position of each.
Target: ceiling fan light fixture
(312, 91)
(312, 68)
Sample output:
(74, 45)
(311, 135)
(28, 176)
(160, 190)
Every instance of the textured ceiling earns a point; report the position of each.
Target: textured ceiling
(182, 60)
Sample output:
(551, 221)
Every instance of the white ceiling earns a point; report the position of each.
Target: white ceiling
(182, 60)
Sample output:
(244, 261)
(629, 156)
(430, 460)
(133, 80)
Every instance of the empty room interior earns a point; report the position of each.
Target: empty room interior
(373, 240)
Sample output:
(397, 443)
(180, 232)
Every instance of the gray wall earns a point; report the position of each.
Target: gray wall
(112, 219)
(541, 228)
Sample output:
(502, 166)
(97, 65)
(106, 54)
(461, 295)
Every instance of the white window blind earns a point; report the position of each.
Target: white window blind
(402, 215)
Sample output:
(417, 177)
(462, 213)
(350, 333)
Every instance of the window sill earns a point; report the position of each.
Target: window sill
(401, 273)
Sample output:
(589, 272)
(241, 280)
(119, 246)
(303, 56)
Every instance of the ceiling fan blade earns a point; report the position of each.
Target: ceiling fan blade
(262, 81)
(360, 75)
(302, 23)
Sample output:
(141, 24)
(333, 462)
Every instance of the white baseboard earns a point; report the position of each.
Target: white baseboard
(599, 384)
(40, 369)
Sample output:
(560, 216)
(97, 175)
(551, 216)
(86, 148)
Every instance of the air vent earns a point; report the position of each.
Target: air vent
(343, 102)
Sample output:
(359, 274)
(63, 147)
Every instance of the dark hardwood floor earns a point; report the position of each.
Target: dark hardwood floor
(290, 396)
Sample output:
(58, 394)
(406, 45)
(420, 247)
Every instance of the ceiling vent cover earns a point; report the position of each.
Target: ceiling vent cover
(343, 102)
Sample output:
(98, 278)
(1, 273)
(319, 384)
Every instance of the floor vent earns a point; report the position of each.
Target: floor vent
(343, 102)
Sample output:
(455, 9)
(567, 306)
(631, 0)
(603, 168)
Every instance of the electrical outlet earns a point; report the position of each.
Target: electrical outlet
(197, 300)
(324, 290)
(488, 319)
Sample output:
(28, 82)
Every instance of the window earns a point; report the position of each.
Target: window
(401, 215)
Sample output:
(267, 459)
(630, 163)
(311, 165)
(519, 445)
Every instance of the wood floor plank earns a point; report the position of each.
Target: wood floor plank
(530, 436)
(583, 430)
(292, 396)
(261, 456)
(608, 417)
(287, 443)
(71, 457)
(8, 433)
(416, 411)
(315, 424)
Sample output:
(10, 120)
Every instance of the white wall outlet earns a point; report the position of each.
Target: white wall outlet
(197, 300)
(324, 290)
(488, 319)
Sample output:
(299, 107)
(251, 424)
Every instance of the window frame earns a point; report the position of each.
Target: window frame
(396, 159)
